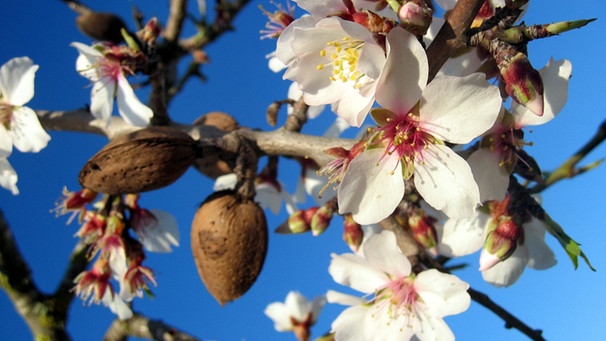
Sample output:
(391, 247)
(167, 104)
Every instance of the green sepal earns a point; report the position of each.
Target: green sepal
(572, 248)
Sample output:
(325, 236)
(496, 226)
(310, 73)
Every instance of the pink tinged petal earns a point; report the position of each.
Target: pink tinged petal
(280, 314)
(348, 325)
(442, 294)
(464, 236)
(28, 134)
(8, 176)
(372, 187)
(540, 256)
(555, 81)
(17, 81)
(162, 234)
(507, 272)
(382, 252)
(399, 88)
(445, 181)
(487, 260)
(492, 179)
(472, 107)
(322, 8)
(357, 273)
(102, 99)
(131, 109)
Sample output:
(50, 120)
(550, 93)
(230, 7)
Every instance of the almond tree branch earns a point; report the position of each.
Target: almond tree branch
(144, 327)
(45, 318)
(452, 36)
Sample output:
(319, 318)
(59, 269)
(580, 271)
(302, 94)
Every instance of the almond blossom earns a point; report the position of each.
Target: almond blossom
(334, 61)
(296, 314)
(107, 67)
(398, 305)
(504, 267)
(494, 161)
(19, 125)
(409, 143)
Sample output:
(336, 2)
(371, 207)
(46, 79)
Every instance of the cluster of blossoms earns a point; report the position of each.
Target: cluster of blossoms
(354, 55)
(104, 63)
(105, 229)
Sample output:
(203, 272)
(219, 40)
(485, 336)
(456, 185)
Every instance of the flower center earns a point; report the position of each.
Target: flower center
(397, 298)
(6, 111)
(402, 135)
(343, 57)
(110, 68)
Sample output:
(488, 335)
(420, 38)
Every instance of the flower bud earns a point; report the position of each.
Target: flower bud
(353, 235)
(523, 83)
(296, 223)
(423, 230)
(415, 16)
(500, 243)
(321, 218)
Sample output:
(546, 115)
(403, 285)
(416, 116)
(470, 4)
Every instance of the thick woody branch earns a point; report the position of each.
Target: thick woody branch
(175, 20)
(144, 327)
(45, 318)
(452, 36)
(277, 142)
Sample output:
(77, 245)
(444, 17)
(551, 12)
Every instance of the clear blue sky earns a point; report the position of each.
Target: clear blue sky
(566, 304)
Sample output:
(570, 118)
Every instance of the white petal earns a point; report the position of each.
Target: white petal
(471, 109)
(316, 307)
(313, 184)
(555, 94)
(372, 187)
(343, 299)
(492, 179)
(6, 141)
(464, 236)
(28, 134)
(280, 314)
(348, 327)
(227, 181)
(131, 109)
(540, 256)
(507, 272)
(353, 105)
(102, 99)
(162, 235)
(116, 305)
(8, 176)
(284, 50)
(445, 181)
(268, 197)
(322, 8)
(17, 81)
(85, 65)
(298, 306)
(382, 252)
(443, 294)
(355, 272)
(430, 328)
(399, 88)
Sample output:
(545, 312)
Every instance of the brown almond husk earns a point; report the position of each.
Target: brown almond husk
(229, 244)
(212, 165)
(141, 161)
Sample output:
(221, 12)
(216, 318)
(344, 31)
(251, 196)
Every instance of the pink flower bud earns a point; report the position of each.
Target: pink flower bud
(500, 242)
(353, 233)
(423, 230)
(321, 218)
(523, 83)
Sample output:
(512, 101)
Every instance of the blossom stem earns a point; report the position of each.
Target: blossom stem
(567, 169)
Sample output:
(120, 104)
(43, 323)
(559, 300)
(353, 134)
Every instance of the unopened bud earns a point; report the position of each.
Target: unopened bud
(353, 235)
(523, 83)
(321, 218)
(298, 222)
(423, 230)
(415, 16)
(373, 22)
(500, 242)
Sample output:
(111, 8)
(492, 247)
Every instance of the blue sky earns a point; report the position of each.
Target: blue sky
(565, 303)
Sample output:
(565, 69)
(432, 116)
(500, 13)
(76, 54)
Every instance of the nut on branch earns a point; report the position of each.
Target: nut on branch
(229, 243)
(211, 164)
(141, 161)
